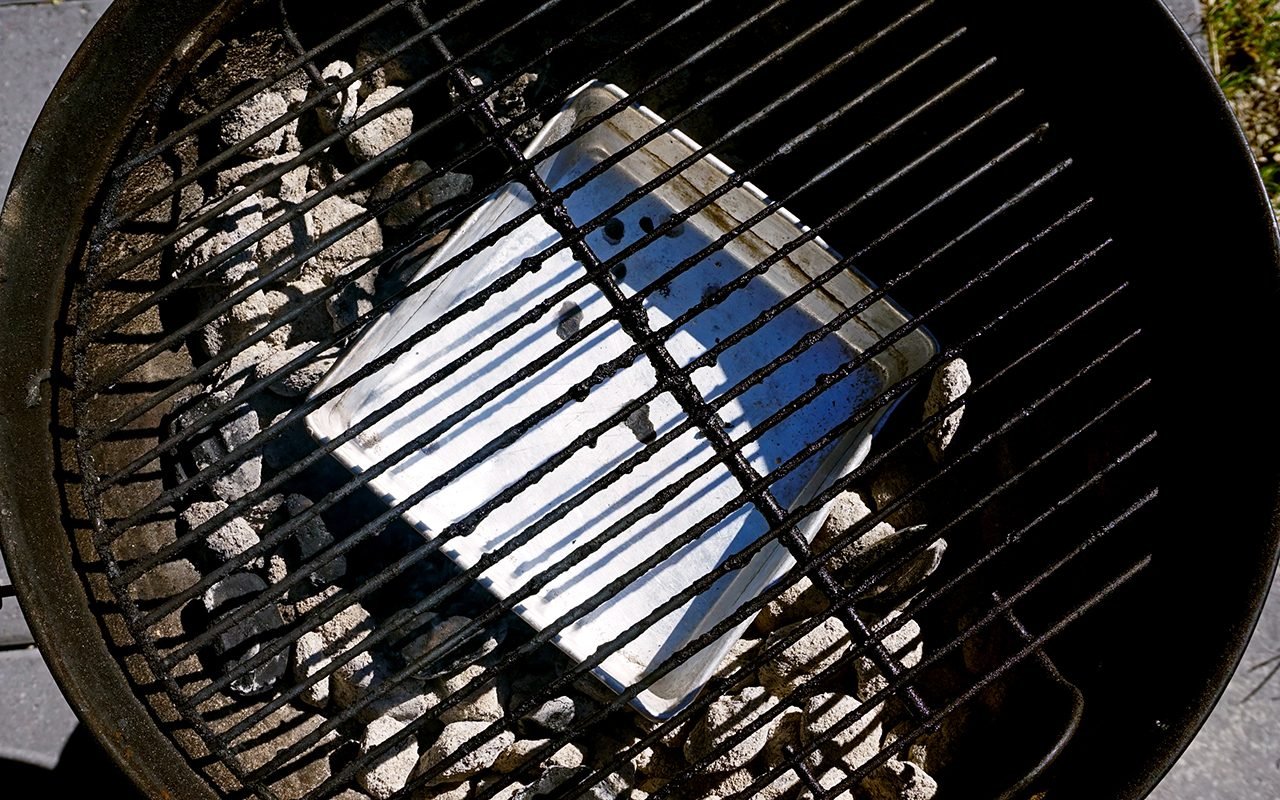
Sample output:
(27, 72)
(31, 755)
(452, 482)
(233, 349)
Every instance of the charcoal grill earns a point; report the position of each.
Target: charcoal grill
(981, 162)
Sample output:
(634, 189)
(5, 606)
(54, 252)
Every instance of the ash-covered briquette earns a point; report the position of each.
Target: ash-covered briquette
(802, 694)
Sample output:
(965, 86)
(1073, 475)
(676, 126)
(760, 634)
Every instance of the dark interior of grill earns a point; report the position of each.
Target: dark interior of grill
(927, 144)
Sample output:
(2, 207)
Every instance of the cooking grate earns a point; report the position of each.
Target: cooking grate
(893, 128)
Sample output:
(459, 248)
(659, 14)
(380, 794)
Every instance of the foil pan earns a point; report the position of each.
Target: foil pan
(589, 520)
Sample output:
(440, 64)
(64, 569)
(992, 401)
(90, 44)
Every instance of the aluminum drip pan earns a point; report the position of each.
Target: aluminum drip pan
(568, 508)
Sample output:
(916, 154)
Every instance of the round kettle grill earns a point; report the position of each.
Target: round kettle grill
(1053, 563)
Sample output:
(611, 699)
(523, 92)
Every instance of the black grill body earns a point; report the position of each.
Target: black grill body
(1118, 489)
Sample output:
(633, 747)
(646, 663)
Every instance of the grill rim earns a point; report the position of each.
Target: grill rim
(130, 52)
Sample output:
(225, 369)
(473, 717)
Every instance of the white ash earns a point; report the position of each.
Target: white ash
(726, 716)
(455, 736)
(230, 539)
(232, 437)
(310, 655)
(277, 569)
(290, 187)
(739, 653)
(829, 779)
(299, 380)
(520, 752)
(901, 780)
(812, 653)
(950, 383)
(346, 253)
(406, 700)
(233, 587)
(460, 791)
(477, 645)
(315, 649)
(286, 241)
(344, 104)
(917, 751)
(846, 730)
(391, 126)
(847, 511)
(230, 227)
(801, 600)
(908, 579)
(727, 784)
(482, 705)
(613, 786)
(789, 731)
(555, 715)
(295, 98)
(391, 771)
(906, 647)
(252, 116)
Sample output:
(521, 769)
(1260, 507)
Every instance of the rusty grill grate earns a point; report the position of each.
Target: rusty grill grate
(894, 129)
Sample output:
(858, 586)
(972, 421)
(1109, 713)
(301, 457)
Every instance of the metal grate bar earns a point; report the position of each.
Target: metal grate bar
(735, 562)
(538, 473)
(377, 364)
(693, 647)
(544, 307)
(120, 422)
(313, 72)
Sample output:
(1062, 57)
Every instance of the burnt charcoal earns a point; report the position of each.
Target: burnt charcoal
(312, 538)
(513, 100)
(232, 588)
(252, 629)
(214, 448)
(570, 320)
(640, 424)
(263, 677)
(384, 131)
(450, 186)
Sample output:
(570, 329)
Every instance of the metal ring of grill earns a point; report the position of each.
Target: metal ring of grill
(938, 148)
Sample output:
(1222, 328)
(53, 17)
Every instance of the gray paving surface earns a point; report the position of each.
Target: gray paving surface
(35, 719)
(1236, 757)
